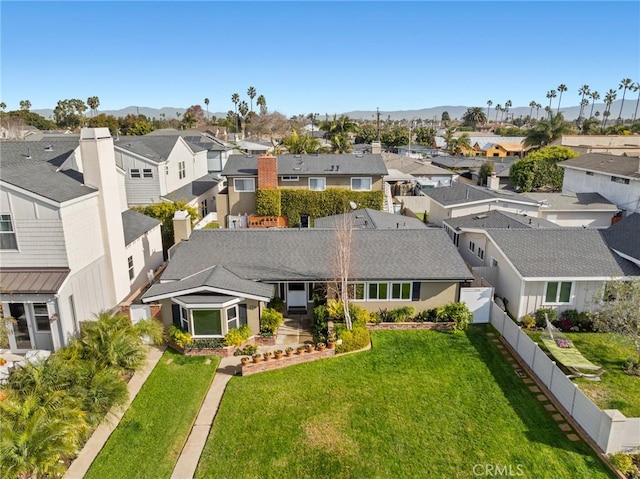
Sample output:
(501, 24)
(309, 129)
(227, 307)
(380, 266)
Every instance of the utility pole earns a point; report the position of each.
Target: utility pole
(378, 121)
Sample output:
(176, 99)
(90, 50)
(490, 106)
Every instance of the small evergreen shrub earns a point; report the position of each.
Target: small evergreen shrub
(248, 350)
(179, 337)
(352, 339)
(276, 303)
(528, 322)
(207, 343)
(270, 321)
(237, 336)
(427, 316)
(459, 314)
(320, 323)
(623, 462)
(551, 313)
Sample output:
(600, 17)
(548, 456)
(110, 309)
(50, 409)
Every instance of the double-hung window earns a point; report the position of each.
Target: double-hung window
(130, 266)
(232, 318)
(472, 246)
(7, 233)
(558, 292)
(401, 291)
(317, 184)
(182, 170)
(135, 173)
(147, 173)
(379, 291)
(41, 316)
(361, 184)
(244, 185)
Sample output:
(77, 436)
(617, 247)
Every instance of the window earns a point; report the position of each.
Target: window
(203, 208)
(232, 318)
(401, 291)
(290, 178)
(7, 233)
(378, 291)
(589, 173)
(206, 322)
(41, 315)
(494, 262)
(480, 253)
(134, 172)
(317, 184)
(130, 265)
(182, 170)
(558, 292)
(244, 184)
(622, 181)
(361, 184)
(472, 246)
(356, 291)
(166, 170)
(184, 319)
(147, 173)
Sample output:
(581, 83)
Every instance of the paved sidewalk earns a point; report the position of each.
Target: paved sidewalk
(96, 442)
(190, 455)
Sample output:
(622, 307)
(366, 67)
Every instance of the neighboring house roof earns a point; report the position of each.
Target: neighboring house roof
(413, 166)
(561, 253)
(371, 219)
(447, 161)
(310, 165)
(32, 280)
(306, 255)
(33, 166)
(193, 190)
(156, 148)
(512, 146)
(253, 146)
(628, 166)
(461, 193)
(216, 278)
(136, 224)
(498, 219)
(573, 201)
(624, 236)
(197, 140)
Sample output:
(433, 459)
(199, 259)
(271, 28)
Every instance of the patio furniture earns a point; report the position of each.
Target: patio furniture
(563, 351)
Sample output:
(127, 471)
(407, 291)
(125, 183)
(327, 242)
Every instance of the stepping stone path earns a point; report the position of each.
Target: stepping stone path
(573, 437)
(557, 417)
(564, 427)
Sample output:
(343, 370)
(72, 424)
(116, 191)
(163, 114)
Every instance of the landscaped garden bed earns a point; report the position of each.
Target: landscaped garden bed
(418, 404)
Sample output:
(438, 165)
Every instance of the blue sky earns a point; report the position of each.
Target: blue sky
(322, 57)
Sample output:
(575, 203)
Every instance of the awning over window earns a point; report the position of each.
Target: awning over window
(32, 280)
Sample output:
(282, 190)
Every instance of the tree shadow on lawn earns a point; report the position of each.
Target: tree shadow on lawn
(541, 427)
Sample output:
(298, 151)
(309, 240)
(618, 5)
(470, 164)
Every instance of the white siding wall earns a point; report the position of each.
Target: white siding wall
(530, 210)
(626, 197)
(509, 282)
(147, 254)
(472, 258)
(140, 191)
(39, 233)
(193, 169)
(82, 233)
(122, 190)
(581, 296)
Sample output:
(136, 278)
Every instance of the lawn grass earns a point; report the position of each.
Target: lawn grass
(148, 440)
(616, 390)
(418, 404)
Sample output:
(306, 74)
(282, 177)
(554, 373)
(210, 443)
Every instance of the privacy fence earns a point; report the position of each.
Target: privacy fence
(609, 429)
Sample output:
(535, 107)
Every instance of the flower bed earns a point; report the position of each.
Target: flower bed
(410, 325)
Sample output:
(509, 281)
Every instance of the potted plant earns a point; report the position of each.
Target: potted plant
(267, 355)
(309, 348)
(331, 344)
(244, 360)
(277, 353)
(321, 346)
(257, 357)
(289, 351)
(300, 349)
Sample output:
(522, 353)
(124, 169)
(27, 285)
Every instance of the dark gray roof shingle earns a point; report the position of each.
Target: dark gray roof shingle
(156, 148)
(624, 236)
(372, 219)
(136, 224)
(194, 189)
(498, 219)
(461, 193)
(603, 163)
(573, 201)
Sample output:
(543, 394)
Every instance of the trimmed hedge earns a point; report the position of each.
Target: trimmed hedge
(316, 204)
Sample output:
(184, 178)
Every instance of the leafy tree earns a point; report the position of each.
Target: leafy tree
(251, 93)
(532, 104)
(262, 103)
(299, 145)
(367, 133)
(539, 168)
(196, 114)
(595, 96)
(498, 108)
(456, 146)
(485, 171)
(507, 105)
(620, 311)
(106, 121)
(551, 94)
(546, 130)
(69, 113)
(395, 136)
(25, 105)
(445, 117)
(134, 125)
(474, 116)
(426, 136)
(341, 143)
(32, 119)
(164, 212)
(590, 126)
(583, 91)
(94, 103)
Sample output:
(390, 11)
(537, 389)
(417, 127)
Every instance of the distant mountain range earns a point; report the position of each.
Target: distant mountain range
(569, 112)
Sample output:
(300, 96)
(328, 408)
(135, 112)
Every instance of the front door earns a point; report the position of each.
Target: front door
(296, 295)
(42, 327)
(32, 329)
(21, 328)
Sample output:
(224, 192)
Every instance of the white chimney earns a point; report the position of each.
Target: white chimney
(99, 165)
(493, 182)
(376, 147)
(181, 226)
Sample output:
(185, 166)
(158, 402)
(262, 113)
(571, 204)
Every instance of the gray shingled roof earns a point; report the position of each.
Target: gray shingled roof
(561, 253)
(461, 193)
(573, 201)
(372, 219)
(38, 174)
(306, 255)
(628, 166)
(194, 189)
(136, 224)
(498, 219)
(155, 148)
(413, 166)
(309, 165)
(217, 277)
(624, 236)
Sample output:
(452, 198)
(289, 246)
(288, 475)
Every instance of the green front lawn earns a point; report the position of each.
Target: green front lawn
(418, 404)
(148, 440)
(617, 390)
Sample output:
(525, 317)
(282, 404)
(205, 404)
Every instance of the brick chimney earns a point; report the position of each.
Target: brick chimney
(267, 172)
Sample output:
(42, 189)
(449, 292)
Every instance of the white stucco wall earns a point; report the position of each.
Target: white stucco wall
(82, 233)
(147, 254)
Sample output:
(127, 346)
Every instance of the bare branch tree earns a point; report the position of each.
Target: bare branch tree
(342, 262)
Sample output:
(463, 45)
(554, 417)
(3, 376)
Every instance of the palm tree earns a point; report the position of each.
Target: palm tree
(235, 98)
(474, 116)
(532, 104)
(498, 108)
(551, 94)
(489, 103)
(94, 103)
(299, 145)
(636, 87)
(262, 103)
(251, 93)
(595, 96)
(624, 86)
(25, 105)
(561, 88)
(609, 98)
(507, 105)
(206, 102)
(341, 143)
(584, 91)
(538, 106)
(546, 130)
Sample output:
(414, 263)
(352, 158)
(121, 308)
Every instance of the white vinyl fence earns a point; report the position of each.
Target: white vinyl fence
(609, 429)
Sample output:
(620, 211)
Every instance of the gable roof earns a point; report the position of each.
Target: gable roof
(371, 219)
(498, 219)
(156, 148)
(192, 190)
(624, 236)
(413, 166)
(561, 253)
(135, 224)
(462, 193)
(573, 201)
(310, 165)
(628, 166)
(33, 166)
(306, 255)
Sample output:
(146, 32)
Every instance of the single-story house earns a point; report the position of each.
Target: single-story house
(575, 209)
(366, 218)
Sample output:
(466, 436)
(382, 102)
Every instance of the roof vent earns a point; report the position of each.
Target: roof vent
(28, 155)
(337, 167)
(332, 167)
(48, 148)
(479, 217)
(296, 156)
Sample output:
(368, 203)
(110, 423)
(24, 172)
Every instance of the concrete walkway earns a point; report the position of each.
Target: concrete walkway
(294, 331)
(190, 455)
(96, 442)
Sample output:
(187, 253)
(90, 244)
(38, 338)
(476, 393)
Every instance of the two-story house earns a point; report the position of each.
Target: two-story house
(70, 248)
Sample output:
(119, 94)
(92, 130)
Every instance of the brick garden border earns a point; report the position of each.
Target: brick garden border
(224, 351)
(285, 361)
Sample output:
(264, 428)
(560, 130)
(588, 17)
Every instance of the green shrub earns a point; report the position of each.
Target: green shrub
(320, 323)
(179, 337)
(276, 303)
(551, 313)
(528, 321)
(457, 313)
(237, 336)
(359, 314)
(403, 314)
(248, 350)
(427, 316)
(270, 321)
(352, 339)
(207, 343)
(268, 202)
(622, 462)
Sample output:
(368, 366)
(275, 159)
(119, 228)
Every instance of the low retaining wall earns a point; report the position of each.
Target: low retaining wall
(225, 351)
(285, 361)
(409, 326)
